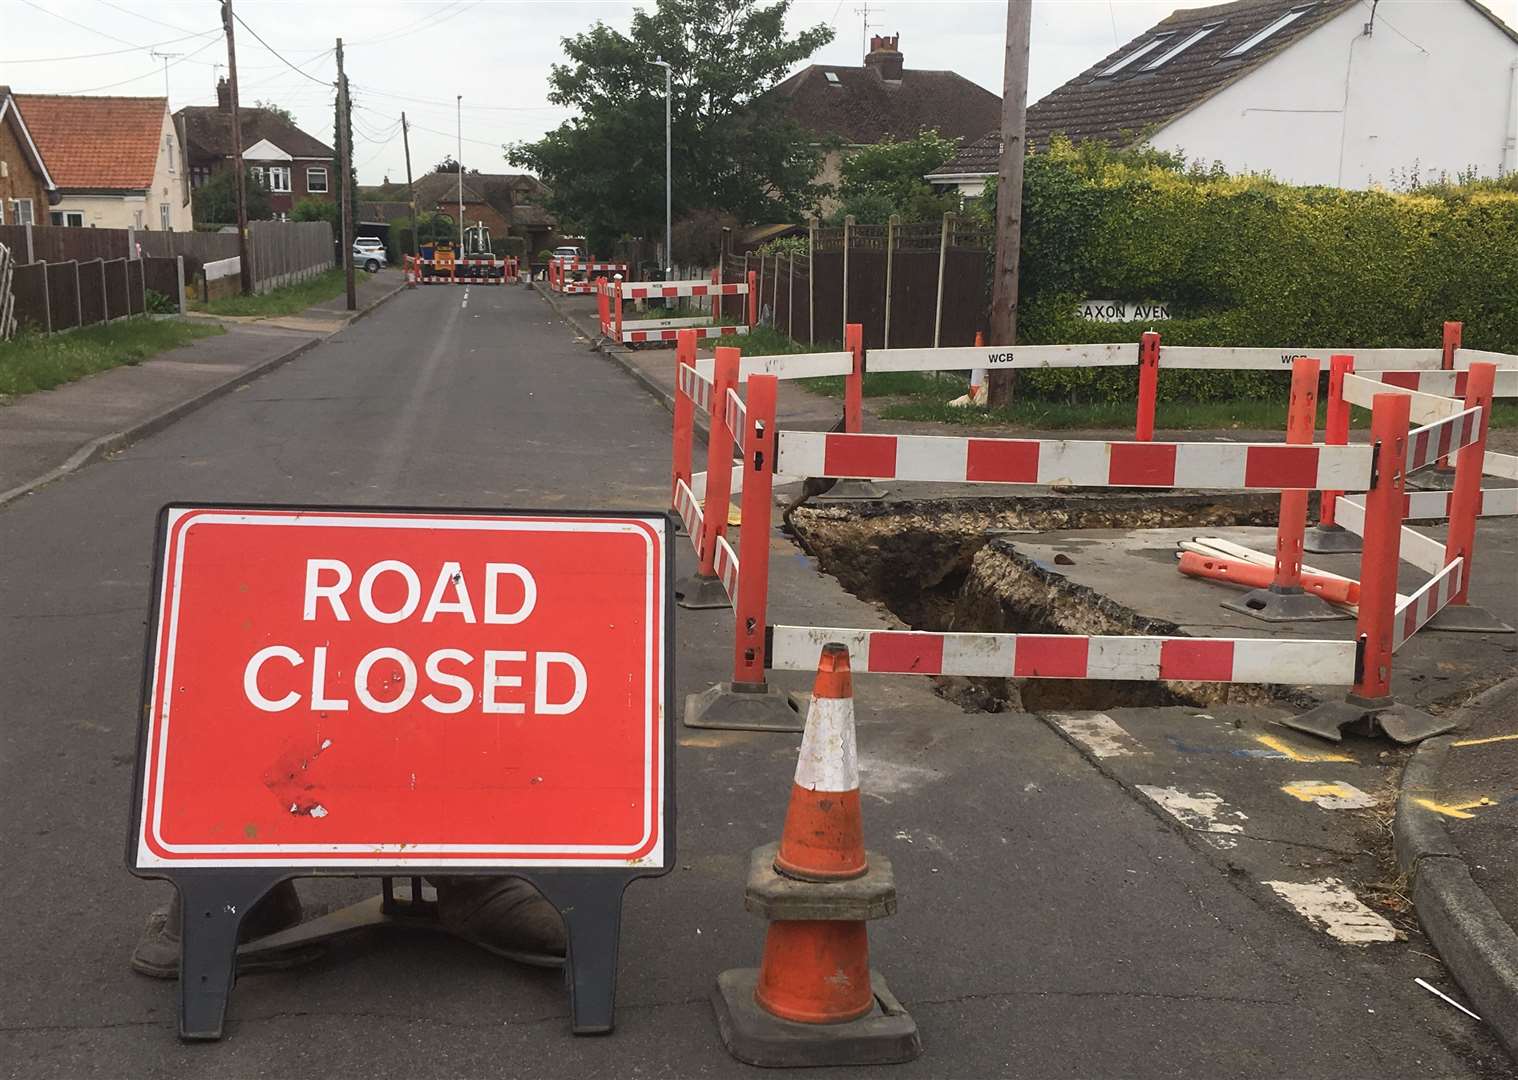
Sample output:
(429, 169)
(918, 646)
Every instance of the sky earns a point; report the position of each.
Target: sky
(417, 55)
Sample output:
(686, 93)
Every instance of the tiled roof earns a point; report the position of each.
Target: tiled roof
(1119, 108)
(96, 143)
(11, 110)
(437, 188)
(208, 130)
(979, 158)
(862, 108)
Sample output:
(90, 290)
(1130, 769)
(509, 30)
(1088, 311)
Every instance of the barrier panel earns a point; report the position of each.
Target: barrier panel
(464, 271)
(560, 269)
(610, 294)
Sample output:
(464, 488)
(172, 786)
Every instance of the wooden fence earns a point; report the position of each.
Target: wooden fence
(50, 297)
(286, 252)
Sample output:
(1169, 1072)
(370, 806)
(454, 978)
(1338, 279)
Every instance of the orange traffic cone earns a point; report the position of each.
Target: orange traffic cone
(814, 999)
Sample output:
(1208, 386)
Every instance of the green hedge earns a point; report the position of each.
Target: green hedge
(1251, 261)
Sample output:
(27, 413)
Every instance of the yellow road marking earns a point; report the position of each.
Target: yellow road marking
(1483, 742)
(1281, 746)
(1454, 810)
(1307, 792)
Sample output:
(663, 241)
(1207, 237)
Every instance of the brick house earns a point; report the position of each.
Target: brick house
(25, 184)
(510, 204)
(292, 164)
(862, 106)
(117, 160)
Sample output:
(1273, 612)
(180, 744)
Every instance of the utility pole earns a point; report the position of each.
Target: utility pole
(416, 248)
(460, 109)
(1009, 192)
(243, 258)
(345, 151)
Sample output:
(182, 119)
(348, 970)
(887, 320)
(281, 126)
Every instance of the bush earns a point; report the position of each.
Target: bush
(159, 304)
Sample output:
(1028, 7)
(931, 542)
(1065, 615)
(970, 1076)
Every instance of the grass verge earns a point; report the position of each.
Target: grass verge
(38, 362)
(283, 301)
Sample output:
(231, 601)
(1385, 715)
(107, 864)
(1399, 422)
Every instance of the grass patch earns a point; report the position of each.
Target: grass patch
(38, 362)
(926, 385)
(282, 301)
(767, 341)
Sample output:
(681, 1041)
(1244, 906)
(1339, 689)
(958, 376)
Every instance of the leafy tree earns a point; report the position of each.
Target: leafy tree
(278, 110)
(733, 149)
(215, 201)
(449, 165)
(316, 210)
(887, 178)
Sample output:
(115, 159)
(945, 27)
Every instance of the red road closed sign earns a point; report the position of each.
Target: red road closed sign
(338, 688)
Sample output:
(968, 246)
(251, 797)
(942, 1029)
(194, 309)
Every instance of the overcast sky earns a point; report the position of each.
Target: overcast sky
(418, 55)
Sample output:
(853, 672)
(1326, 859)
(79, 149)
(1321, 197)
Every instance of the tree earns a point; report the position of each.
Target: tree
(316, 210)
(887, 178)
(215, 201)
(278, 110)
(734, 150)
(448, 165)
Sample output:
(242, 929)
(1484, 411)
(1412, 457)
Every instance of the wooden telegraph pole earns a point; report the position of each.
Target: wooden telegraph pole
(416, 247)
(345, 151)
(246, 263)
(1009, 191)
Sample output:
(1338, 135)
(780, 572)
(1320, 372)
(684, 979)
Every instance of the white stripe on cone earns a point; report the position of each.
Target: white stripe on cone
(829, 759)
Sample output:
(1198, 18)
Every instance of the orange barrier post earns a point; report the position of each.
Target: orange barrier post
(685, 411)
(1442, 475)
(1285, 600)
(1327, 535)
(758, 459)
(753, 299)
(603, 306)
(1335, 590)
(1464, 508)
(814, 1000)
(977, 392)
(704, 589)
(616, 292)
(1149, 386)
(853, 382)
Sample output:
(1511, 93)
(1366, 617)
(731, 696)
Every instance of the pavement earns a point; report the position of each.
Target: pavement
(1052, 922)
(47, 434)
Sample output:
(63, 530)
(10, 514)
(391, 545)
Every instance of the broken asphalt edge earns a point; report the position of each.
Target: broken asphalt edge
(1474, 941)
(100, 447)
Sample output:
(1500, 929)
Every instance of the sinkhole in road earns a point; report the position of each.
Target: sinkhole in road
(952, 565)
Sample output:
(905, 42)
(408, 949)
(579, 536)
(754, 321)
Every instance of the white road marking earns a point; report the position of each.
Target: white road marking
(1329, 794)
(1203, 811)
(1098, 733)
(1330, 906)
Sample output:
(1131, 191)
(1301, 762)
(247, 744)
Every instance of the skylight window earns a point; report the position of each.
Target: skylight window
(1137, 54)
(832, 78)
(1187, 42)
(1274, 28)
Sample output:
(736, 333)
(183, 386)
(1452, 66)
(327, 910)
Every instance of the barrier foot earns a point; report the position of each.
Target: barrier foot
(852, 490)
(1330, 540)
(1400, 723)
(1467, 619)
(886, 1035)
(698, 593)
(1275, 605)
(743, 707)
(1432, 479)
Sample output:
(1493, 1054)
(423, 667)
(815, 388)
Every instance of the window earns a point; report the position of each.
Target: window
(258, 174)
(163, 217)
(279, 178)
(74, 219)
(24, 212)
(1274, 28)
(316, 180)
(168, 148)
(832, 78)
(136, 219)
(1187, 42)
(1137, 54)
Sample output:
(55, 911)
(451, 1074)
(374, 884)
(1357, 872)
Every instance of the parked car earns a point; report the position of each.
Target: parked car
(566, 251)
(369, 252)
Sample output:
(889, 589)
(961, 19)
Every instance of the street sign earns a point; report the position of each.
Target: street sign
(344, 691)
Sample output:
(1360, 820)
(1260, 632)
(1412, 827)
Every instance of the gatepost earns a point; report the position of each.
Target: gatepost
(378, 692)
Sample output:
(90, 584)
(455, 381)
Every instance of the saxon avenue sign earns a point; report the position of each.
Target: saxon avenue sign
(340, 691)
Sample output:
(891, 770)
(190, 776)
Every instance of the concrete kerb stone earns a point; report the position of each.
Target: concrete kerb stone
(1475, 942)
(98, 448)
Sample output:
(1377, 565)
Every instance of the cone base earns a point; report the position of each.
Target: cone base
(886, 1035)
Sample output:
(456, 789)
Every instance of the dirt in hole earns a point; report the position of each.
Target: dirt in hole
(951, 565)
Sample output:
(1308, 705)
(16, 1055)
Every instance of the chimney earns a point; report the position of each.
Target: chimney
(223, 94)
(884, 57)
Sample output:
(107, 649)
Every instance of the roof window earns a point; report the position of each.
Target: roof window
(1137, 54)
(832, 78)
(1187, 42)
(1274, 28)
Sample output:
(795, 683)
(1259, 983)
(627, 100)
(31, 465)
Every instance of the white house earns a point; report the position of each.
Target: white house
(1348, 93)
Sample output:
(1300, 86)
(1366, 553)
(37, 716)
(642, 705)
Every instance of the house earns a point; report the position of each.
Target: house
(117, 160)
(25, 184)
(883, 99)
(510, 204)
(971, 168)
(1347, 93)
(290, 163)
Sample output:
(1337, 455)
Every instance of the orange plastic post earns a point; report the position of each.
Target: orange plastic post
(685, 413)
(1337, 590)
(1453, 332)
(719, 460)
(1382, 549)
(1335, 428)
(753, 299)
(1149, 386)
(758, 443)
(1465, 500)
(603, 307)
(853, 382)
(616, 289)
(1301, 419)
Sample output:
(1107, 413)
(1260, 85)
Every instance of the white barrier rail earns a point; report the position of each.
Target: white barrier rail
(734, 414)
(1424, 408)
(1444, 383)
(1041, 656)
(688, 506)
(726, 565)
(635, 337)
(1430, 443)
(1504, 465)
(1202, 358)
(1004, 357)
(698, 483)
(1428, 601)
(1424, 552)
(1464, 358)
(679, 322)
(645, 290)
(697, 385)
(1428, 505)
(1214, 466)
(787, 365)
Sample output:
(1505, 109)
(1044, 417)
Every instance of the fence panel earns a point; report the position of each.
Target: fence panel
(91, 292)
(116, 290)
(29, 287)
(134, 287)
(162, 276)
(63, 294)
(827, 296)
(285, 252)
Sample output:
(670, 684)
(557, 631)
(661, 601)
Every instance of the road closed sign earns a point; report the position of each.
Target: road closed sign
(347, 689)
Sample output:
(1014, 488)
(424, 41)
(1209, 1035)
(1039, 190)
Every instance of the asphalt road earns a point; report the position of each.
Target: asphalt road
(1050, 925)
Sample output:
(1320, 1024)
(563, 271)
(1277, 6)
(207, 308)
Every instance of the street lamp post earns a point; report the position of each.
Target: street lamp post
(460, 111)
(668, 172)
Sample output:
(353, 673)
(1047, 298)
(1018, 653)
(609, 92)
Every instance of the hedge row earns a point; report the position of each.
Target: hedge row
(1251, 261)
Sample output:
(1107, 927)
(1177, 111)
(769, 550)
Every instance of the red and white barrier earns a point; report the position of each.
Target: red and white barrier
(611, 293)
(726, 565)
(474, 271)
(560, 271)
(1444, 383)
(688, 506)
(1429, 443)
(1435, 594)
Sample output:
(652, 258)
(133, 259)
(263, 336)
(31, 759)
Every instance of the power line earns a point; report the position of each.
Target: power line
(149, 75)
(437, 18)
(266, 45)
(452, 135)
(140, 15)
(449, 105)
(108, 52)
(102, 33)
